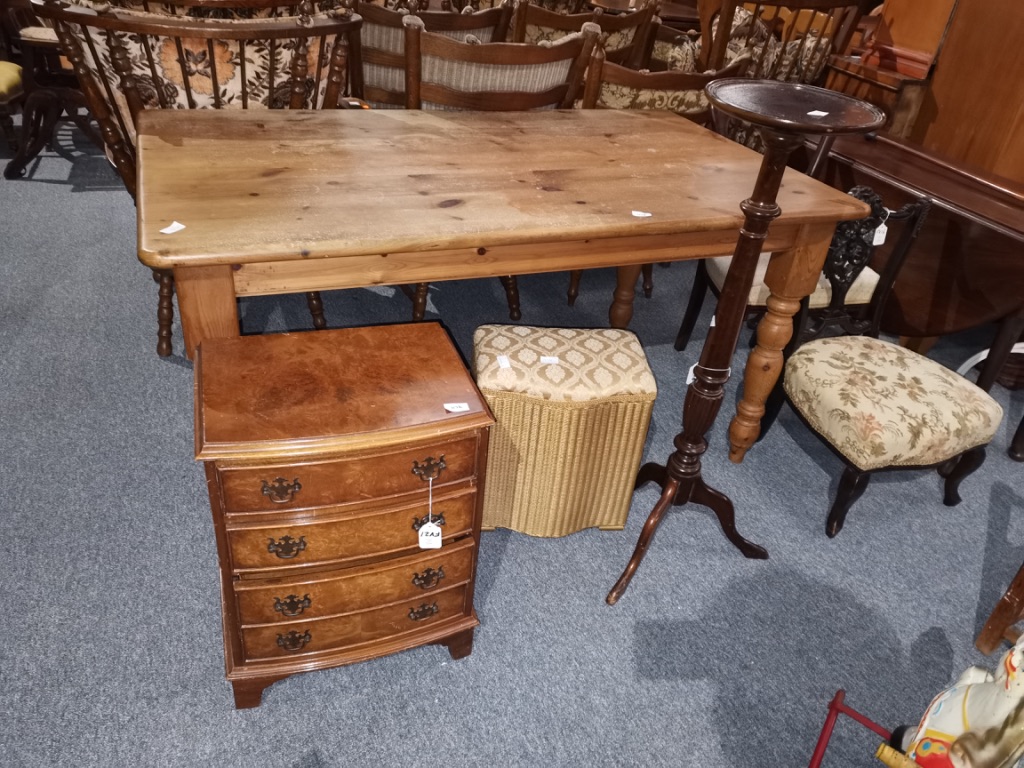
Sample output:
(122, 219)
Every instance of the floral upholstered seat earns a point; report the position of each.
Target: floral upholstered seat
(881, 405)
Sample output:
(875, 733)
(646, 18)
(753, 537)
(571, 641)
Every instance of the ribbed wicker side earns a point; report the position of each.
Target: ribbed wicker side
(555, 468)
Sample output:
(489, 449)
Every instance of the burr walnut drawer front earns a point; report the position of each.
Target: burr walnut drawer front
(355, 589)
(325, 539)
(359, 478)
(400, 618)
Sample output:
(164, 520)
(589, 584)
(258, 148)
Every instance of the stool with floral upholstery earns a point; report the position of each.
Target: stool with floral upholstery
(880, 405)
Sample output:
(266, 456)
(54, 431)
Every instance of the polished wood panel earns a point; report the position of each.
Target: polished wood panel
(354, 629)
(333, 538)
(967, 266)
(355, 589)
(349, 480)
(974, 112)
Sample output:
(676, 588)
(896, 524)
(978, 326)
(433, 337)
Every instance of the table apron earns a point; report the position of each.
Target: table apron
(300, 275)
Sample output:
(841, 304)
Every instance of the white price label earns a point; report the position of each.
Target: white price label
(690, 375)
(430, 536)
(880, 234)
(174, 226)
(503, 361)
(456, 407)
(548, 360)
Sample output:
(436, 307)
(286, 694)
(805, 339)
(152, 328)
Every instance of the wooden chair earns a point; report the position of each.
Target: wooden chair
(787, 40)
(129, 61)
(623, 36)
(668, 48)
(611, 86)
(48, 88)
(1007, 613)
(843, 293)
(879, 405)
(383, 56)
(12, 92)
(383, 44)
(443, 73)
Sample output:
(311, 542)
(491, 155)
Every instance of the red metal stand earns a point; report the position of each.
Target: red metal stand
(836, 707)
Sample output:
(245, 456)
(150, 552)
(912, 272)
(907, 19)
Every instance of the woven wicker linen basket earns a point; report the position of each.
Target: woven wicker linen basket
(573, 407)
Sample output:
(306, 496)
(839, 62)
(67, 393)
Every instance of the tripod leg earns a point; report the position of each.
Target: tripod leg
(646, 535)
(720, 504)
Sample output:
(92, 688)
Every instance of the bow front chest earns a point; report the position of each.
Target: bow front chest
(331, 457)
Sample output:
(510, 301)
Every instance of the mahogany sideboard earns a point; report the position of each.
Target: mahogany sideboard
(326, 453)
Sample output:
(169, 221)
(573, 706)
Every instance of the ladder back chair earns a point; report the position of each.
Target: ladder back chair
(623, 36)
(383, 43)
(130, 61)
(443, 73)
(612, 86)
(383, 56)
(789, 40)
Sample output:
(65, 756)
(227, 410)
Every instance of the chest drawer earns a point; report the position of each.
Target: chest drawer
(355, 589)
(324, 539)
(356, 478)
(399, 619)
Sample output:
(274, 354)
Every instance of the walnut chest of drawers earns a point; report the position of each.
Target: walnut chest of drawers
(325, 453)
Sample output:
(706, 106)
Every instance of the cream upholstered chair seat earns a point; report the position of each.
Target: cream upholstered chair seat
(881, 405)
(572, 408)
(860, 292)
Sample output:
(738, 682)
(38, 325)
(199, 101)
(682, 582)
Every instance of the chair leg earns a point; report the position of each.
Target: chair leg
(574, 286)
(693, 306)
(165, 313)
(7, 126)
(1017, 446)
(969, 461)
(1008, 611)
(851, 487)
(316, 309)
(418, 295)
(647, 270)
(38, 120)
(511, 286)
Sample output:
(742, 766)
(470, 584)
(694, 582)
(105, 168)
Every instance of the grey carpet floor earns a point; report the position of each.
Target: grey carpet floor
(110, 642)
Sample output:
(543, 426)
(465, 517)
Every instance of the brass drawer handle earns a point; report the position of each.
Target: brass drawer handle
(430, 469)
(286, 547)
(292, 605)
(419, 522)
(293, 641)
(423, 612)
(281, 491)
(429, 578)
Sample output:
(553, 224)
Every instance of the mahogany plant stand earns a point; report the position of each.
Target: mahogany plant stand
(783, 113)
